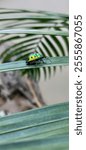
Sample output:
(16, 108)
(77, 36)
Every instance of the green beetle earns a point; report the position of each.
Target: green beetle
(33, 58)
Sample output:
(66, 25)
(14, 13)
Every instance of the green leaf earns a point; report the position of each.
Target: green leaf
(44, 128)
(37, 32)
(48, 61)
(6, 10)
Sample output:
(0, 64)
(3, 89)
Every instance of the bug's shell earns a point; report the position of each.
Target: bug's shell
(34, 57)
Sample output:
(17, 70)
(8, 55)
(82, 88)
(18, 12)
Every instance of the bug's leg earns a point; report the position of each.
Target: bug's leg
(41, 61)
(38, 61)
(44, 61)
(27, 63)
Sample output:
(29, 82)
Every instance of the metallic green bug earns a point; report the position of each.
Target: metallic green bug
(33, 58)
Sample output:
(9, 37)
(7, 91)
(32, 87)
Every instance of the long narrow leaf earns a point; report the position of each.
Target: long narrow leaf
(36, 129)
(37, 32)
(49, 61)
(5, 11)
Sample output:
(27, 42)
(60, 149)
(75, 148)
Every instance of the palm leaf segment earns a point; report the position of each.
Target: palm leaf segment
(34, 23)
